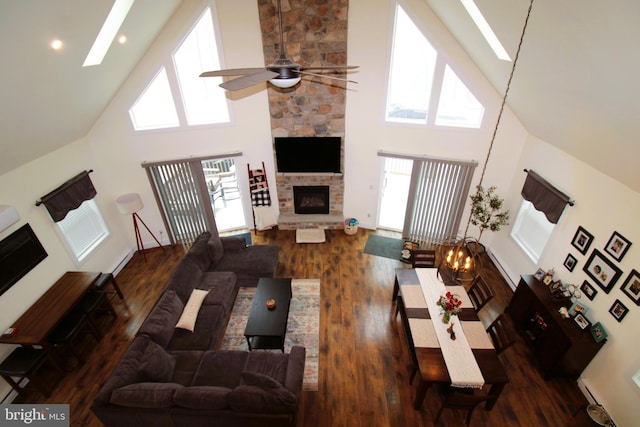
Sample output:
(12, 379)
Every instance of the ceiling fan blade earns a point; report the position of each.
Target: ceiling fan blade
(332, 67)
(249, 80)
(326, 76)
(231, 72)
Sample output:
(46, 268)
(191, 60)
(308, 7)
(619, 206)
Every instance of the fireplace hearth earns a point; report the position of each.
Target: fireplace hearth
(311, 199)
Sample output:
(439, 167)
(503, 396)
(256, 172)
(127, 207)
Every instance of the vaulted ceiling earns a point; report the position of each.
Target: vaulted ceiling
(575, 85)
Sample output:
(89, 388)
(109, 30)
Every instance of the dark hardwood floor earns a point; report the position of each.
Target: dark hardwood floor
(364, 364)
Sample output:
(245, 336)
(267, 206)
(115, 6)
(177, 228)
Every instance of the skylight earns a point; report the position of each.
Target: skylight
(108, 32)
(485, 29)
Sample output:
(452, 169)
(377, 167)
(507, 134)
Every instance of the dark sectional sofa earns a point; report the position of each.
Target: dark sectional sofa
(177, 377)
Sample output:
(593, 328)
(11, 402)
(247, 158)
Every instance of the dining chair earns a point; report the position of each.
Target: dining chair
(94, 302)
(68, 330)
(480, 293)
(423, 258)
(498, 330)
(24, 362)
(460, 398)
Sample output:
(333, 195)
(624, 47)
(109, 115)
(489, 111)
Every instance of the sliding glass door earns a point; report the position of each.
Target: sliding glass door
(436, 195)
(193, 193)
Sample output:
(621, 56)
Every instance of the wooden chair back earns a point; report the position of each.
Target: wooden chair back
(499, 333)
(423, 258)
(455, 398)
(480, 293)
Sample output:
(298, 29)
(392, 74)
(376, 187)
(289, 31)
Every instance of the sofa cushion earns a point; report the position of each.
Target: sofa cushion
(221, 368)
(159, 324)
(191, 309)
(216, 251)
(145, 395)
(261, 394)
(128, 369)
(185, 278)
(267, 363)
(209, 327)
(199, 252)
(157, 365)
(202, 397)
(222, 286)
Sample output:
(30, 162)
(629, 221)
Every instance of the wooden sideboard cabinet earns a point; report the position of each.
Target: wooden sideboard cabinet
(559, 345)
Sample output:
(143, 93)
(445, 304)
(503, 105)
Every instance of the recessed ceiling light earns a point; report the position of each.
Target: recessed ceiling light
(56, 44)
(108, 32)
(122, 39)
(485, 29)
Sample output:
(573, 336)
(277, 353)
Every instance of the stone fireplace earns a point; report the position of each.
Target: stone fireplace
(311, 199)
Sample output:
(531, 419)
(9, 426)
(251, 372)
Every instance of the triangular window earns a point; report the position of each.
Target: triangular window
(154, 109)
(457, 106)
(419, 80)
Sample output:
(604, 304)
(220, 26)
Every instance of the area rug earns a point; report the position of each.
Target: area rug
(302, 327)
(383, 246)
(310, 235)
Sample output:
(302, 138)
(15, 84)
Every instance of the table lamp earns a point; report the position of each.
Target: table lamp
(131, 204)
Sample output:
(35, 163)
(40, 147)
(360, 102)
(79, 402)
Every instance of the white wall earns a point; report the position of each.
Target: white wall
(602, 206)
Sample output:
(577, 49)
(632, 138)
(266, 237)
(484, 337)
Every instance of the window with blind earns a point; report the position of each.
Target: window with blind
(82, 230)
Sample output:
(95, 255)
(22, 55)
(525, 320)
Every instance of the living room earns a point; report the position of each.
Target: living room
(115, 152)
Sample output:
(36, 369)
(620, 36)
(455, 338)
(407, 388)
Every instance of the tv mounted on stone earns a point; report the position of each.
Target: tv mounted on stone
(315, 154)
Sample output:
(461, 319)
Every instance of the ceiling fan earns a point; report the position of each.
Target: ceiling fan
(282, 73)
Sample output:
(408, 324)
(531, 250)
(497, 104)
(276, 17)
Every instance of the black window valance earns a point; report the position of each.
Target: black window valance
(545, 197)
(68, 196)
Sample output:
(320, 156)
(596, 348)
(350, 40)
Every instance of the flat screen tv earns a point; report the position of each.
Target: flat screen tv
(19, 253)
(315, 154)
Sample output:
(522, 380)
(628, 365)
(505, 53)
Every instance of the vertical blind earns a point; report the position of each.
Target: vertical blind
(176, 187)
(437, 195)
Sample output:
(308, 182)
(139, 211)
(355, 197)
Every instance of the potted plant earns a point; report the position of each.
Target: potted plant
(486, 211)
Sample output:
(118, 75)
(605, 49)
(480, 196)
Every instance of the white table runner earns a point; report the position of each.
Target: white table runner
(461, 363)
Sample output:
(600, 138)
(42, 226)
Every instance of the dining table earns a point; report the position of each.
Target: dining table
(436, 361)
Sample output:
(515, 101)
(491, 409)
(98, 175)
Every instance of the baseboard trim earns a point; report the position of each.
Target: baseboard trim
(501, 269)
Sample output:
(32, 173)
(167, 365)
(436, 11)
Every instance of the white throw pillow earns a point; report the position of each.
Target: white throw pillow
(192, 307)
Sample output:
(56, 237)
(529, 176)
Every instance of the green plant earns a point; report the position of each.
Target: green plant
(486, 210)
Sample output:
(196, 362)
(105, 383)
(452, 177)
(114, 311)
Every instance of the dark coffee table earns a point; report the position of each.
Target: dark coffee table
(266, 328)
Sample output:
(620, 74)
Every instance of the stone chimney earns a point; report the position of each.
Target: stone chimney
(315, 34)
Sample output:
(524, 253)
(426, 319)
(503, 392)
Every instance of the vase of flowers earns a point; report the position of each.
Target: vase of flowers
(450, 304)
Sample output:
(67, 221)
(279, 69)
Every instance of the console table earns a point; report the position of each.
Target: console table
(33, 327)
(560, 346)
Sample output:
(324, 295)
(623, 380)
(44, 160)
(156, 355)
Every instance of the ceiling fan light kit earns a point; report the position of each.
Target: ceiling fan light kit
(282, 73)
(285, 83)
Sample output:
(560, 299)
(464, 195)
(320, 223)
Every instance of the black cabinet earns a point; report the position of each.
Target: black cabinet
(559, 345)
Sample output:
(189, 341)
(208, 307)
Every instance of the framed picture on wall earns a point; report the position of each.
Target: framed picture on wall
(617, 246)
(631, 286)
(588, 290)
(582, 240)
(570, 262)
(618, 310)
(602, 271)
